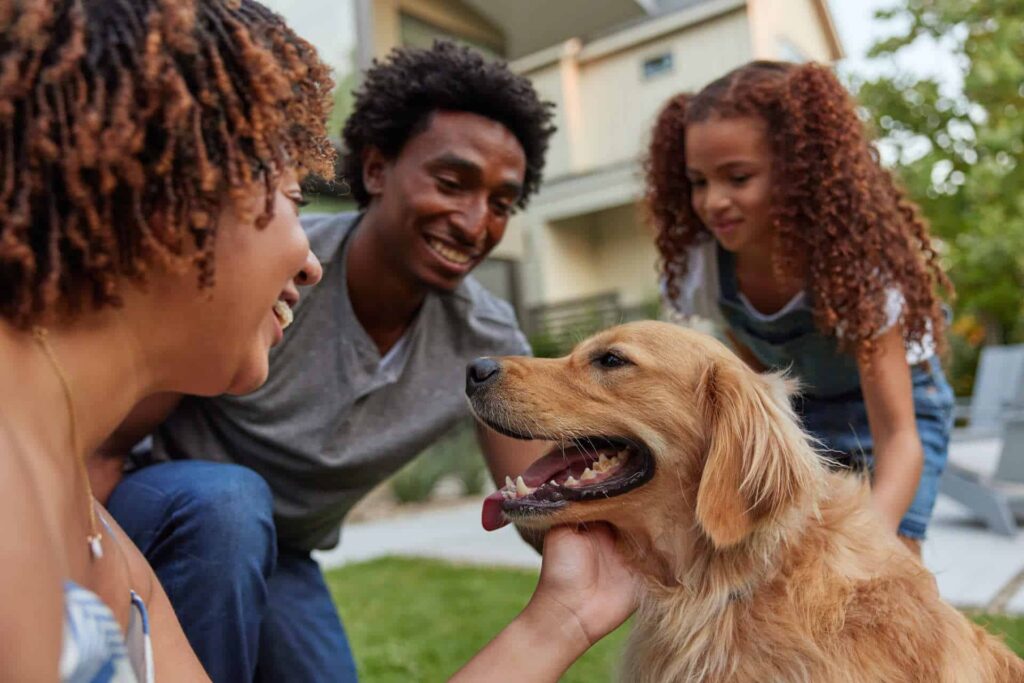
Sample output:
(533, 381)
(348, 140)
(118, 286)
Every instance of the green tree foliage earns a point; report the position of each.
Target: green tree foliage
(345, 84)
(960, 155)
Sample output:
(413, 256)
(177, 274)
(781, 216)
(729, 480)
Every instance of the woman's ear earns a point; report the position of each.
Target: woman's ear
(758, 462)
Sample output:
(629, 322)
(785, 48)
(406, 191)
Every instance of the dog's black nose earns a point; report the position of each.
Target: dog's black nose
(480, 373)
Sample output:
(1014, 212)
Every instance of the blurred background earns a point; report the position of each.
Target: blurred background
(941, 84)
(940, 81)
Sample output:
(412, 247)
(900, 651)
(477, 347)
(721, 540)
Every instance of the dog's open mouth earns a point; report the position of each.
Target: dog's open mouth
(577, 471)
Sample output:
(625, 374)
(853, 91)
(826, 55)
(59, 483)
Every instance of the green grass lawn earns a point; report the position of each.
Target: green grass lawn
(420, 620)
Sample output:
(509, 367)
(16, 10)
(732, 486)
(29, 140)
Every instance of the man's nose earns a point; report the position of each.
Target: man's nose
(480, 373)
(471, 222)
(311, 271)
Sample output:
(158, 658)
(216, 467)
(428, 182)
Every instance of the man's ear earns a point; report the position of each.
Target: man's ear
(757, 458)
(375, 167)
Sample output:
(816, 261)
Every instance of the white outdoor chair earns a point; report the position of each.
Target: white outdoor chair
(996, 409)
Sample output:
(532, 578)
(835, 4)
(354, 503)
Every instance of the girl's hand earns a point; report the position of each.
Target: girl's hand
(584, 575)
(585, 591)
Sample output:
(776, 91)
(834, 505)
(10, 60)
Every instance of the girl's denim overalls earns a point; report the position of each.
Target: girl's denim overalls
(831, 405)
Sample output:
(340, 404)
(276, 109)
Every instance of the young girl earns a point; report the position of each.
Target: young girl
(776, 221)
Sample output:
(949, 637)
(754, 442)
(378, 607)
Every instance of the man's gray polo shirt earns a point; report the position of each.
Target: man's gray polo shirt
(330, 423)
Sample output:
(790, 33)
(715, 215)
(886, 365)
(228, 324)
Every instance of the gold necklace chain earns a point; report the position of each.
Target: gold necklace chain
(95, 537)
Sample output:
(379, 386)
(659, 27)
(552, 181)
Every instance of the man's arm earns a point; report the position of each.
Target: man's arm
(106, 464)
(508, 457)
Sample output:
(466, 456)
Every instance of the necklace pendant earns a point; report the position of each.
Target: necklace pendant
(95, 547)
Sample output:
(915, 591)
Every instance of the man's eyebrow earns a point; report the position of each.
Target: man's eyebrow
(511, 188)
(457, 163)
(454, 161)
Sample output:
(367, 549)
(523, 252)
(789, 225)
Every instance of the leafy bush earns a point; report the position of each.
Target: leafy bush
(416, 481)
(456, 453)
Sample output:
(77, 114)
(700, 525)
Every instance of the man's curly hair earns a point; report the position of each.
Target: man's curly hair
(399, 95)
(842, 225)
(125, 127)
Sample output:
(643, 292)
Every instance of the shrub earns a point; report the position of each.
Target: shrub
(455, 453)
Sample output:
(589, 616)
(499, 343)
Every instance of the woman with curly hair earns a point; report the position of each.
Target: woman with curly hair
(150, 158)
(150, 153)
(775, 220)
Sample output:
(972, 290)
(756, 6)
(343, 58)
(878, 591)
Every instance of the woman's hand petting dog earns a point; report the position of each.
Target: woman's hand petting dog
(585, 592)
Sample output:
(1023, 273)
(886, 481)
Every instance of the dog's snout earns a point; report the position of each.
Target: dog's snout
(480, 373)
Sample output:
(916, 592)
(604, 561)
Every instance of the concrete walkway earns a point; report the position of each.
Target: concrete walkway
(972, 565)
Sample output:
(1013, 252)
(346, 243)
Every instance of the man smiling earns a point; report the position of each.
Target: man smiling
(441, 148)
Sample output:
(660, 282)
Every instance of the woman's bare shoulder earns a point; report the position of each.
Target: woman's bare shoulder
(31, 592)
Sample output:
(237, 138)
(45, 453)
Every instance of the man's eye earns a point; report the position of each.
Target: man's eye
(610, 359)
(740, 179)
(501, 208)
(448, 184)
(699, 182)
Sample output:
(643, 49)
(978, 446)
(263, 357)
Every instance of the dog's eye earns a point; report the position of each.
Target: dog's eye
(610, 359)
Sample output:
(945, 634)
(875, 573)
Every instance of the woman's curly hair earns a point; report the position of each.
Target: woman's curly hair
(399, 95)
(842, 225)
(125, 127)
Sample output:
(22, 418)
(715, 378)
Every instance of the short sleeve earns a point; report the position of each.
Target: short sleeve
(696, 303)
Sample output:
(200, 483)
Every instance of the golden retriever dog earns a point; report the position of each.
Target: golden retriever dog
(759, 564)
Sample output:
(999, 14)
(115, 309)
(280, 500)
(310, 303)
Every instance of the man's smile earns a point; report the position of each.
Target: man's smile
(456, 256)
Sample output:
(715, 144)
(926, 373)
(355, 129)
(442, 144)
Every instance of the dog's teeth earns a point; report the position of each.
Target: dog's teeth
(571, 481)
(521, 488)
(603, 460)
(587, 475)
(508, 483)
(553, 482)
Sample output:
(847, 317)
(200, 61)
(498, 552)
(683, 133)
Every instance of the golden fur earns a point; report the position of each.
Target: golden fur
(759, 565)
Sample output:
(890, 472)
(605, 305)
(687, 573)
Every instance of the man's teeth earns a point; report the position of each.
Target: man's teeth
(453, 255)
(284, 313)
(518, 488)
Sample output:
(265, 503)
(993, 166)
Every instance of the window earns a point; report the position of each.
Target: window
(658, 65)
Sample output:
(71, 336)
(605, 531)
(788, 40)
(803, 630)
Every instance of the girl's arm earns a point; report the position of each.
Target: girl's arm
(585, 592)
(888, 395)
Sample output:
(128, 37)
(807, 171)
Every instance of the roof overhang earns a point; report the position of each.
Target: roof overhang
(531, 25)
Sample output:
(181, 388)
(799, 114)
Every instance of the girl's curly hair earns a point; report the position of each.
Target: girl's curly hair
(125, 126)
(842, 225)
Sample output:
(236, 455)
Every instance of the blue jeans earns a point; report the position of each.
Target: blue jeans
(842, 425)
(250, 611)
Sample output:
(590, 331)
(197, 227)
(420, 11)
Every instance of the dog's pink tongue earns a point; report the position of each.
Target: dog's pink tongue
(492, 516)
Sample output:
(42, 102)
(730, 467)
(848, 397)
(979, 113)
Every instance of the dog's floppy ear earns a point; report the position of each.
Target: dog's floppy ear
(757, 462)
